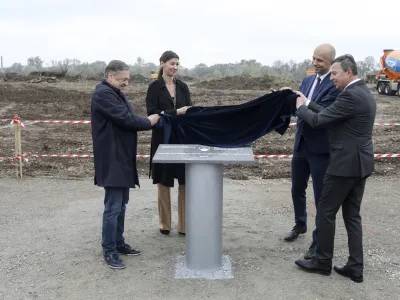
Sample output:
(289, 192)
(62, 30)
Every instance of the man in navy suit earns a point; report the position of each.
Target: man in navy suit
(311, 147)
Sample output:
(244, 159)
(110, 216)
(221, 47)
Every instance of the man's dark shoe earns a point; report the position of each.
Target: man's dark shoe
(347, 272)
(310, 254)
(294, 233)
(311, 265)
(113, 261)
(128, 250)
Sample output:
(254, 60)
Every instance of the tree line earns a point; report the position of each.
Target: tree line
(95, 70)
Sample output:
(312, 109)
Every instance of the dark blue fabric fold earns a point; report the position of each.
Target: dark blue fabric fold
(232, 125)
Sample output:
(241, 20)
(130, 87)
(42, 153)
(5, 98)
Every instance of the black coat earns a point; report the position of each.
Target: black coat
(158, 99)
(114, 135)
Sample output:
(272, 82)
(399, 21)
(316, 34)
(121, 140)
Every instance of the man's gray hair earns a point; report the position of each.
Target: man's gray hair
(347, 62)
(115, 66)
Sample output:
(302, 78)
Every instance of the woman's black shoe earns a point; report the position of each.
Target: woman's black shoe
(164, 231)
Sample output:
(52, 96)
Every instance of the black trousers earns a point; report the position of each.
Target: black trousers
(345, 192)
(304, 164)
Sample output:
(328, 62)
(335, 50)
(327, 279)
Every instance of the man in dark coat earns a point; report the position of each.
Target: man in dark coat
(350, 120)
(114, 134)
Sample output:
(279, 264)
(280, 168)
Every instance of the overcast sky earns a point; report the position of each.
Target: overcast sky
(208, 31)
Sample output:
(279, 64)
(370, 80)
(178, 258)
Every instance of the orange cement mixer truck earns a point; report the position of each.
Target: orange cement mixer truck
(388, 78)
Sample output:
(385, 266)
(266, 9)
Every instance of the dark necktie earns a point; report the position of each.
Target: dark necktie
(316, 86)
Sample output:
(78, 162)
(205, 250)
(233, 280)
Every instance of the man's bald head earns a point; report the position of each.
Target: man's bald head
(322, 58)
(326, 50)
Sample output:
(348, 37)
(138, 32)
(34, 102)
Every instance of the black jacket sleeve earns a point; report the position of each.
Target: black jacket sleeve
(341, 109)
(112, 108)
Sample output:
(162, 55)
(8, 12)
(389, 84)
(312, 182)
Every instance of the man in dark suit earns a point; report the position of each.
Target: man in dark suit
(311, 146)
(350, 120)
(114, 134)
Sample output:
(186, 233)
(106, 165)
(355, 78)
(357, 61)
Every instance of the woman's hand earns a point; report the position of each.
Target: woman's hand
(182, 110)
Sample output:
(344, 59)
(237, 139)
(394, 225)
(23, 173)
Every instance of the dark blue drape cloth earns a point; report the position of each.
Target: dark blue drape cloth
(233, 125)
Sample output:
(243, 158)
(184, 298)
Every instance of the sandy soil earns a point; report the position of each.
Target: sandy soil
(50, 231)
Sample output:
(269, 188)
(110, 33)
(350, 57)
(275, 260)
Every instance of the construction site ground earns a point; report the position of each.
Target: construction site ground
(50, 220)
(71, 101)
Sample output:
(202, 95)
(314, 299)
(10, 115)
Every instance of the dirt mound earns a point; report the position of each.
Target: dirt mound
(186, 78)
(47, 74)
(15, 77)
(137, 78)
(247, 83)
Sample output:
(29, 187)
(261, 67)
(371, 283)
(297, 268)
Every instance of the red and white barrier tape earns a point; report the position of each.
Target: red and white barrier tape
(388, 155)
(53, 121)
(17, 120)
(89, 122)
(25, 156)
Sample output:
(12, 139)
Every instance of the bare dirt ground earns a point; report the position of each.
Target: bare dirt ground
(50, 220)
(71, 101)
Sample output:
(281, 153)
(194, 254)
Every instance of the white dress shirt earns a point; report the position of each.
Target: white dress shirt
(313, 87)
(354, 81)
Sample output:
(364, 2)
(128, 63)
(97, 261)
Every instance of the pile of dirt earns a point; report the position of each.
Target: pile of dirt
(137, 78)
(244, 82)
(58, 74)
(15, 77)
(186, 78)
(40, 79)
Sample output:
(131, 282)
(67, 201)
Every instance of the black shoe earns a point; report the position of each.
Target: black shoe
(113, 261)
(347, 272)
(311, 265)
(310, 254)
(128, 250)
(296, 231)
(164, 231)
(182, 233)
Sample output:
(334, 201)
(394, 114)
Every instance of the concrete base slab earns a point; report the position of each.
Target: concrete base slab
(182, 272)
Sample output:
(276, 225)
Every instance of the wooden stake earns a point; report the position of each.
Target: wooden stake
(18, 149)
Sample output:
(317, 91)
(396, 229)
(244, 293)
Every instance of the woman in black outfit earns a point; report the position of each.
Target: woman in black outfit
(167, 95)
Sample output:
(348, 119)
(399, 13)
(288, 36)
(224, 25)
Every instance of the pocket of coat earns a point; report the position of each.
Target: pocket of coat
(337, 146)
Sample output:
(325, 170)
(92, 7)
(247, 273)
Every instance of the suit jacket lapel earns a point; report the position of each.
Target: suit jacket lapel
(165, 91)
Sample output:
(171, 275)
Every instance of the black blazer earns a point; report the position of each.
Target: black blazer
(351, 120)
(158, 99)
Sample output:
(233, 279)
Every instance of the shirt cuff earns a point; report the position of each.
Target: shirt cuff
(307, 102)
